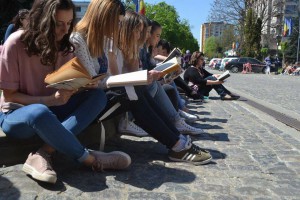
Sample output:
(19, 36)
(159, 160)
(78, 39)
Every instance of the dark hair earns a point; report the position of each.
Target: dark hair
(155, 25)
(165, 45)
(22, 14)
(195, 56)
(39, 36)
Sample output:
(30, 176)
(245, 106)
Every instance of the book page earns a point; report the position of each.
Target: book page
(132, 78)
(71, 84)
(169, 66)
(223, 76)
(174, 53)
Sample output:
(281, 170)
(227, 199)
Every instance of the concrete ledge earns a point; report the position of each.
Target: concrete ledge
(15, 151)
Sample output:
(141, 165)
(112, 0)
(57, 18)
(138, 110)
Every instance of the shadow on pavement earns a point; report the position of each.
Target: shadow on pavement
(7, 189)
(151, 176)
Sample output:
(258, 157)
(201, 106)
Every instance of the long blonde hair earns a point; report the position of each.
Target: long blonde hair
(100, 21)
(127, 43)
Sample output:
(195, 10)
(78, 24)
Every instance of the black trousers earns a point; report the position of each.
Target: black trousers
(147, 113)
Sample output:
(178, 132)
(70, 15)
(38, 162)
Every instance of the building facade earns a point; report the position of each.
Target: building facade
(80, 7)
(273, 19)
(211, 29)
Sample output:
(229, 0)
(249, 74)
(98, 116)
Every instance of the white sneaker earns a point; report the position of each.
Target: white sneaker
(184, 128)
(129, 127)
(188, 117)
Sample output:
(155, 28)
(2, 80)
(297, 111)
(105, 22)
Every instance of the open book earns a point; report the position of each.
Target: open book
(169, 66)
(174, 53)
(126, 79)
(223, 76)
(72, 75)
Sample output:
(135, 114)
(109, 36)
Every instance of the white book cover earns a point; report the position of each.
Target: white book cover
(126, 79)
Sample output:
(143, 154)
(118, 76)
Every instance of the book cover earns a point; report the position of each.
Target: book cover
(126, 79)
(174, 53)
(223, 76)
(169, 66)
(72, 75)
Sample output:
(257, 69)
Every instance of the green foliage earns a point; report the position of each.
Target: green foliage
(176, 31)
(252, 35)
(212, 48)
(227, 38)
(264, 51)
(291, 50)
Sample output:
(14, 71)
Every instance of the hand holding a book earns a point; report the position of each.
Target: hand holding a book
(154, 75)
(61, 97)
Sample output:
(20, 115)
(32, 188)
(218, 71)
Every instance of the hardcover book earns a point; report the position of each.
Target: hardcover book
(127, 79)
(72, 75)
(223, 76)
(169, 66)
(174, 53)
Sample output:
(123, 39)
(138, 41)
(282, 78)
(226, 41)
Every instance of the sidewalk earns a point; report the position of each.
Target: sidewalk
(254, 157)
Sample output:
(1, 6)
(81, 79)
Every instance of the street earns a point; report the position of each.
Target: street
(254, 155)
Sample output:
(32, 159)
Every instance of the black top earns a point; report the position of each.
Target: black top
(196, 76)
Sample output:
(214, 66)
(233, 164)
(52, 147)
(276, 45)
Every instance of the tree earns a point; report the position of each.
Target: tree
(252, 35)
(232, 12)
(176, 31)
(211, 47)
(227, 38)
(291, 51)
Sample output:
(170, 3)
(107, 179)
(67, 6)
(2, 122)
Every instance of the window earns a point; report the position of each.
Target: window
(78, 9)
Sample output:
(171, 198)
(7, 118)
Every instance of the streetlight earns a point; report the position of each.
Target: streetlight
(278, 40)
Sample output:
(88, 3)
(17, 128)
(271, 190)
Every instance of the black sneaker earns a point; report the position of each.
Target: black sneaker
(194, 96)
(192, 154)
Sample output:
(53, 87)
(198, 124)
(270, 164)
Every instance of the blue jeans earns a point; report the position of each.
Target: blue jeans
(158, 93)
(181, 102)
(56, 126)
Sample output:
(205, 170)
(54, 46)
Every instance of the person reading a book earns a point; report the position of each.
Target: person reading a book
(152, 40)
(28, 108)
(146, 111)
(204, 81)
(164, 49)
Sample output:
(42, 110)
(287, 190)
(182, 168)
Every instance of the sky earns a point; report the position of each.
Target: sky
(194, 11)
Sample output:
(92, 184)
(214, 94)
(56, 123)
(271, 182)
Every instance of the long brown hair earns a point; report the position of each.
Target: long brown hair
(39, 36)
(128, 45)
(100, 21)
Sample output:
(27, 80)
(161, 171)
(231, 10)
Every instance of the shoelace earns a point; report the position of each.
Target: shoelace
(136, 127)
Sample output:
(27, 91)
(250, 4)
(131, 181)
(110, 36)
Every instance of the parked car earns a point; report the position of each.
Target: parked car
(236, 65)
(225, 61)
(213, 62)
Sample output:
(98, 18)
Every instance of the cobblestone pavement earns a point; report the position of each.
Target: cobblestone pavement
(280, 90)
(254, 157)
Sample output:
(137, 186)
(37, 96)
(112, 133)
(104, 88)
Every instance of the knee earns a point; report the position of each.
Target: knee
(38, 111)
(99, 98)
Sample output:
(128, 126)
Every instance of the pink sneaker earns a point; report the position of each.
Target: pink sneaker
(112, 160)
(38, 165)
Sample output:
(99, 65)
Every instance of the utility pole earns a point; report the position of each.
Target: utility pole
(298, 37)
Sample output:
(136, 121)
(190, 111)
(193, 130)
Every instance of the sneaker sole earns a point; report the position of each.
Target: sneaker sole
(191, 162)
(132, 134)
(190, 133)
(37, 175)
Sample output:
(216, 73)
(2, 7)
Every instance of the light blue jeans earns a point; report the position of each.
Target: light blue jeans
(57, 126)
(160, 96)
(181, 102)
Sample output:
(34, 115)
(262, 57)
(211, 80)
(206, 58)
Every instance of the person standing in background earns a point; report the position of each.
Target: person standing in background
(20, 21)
